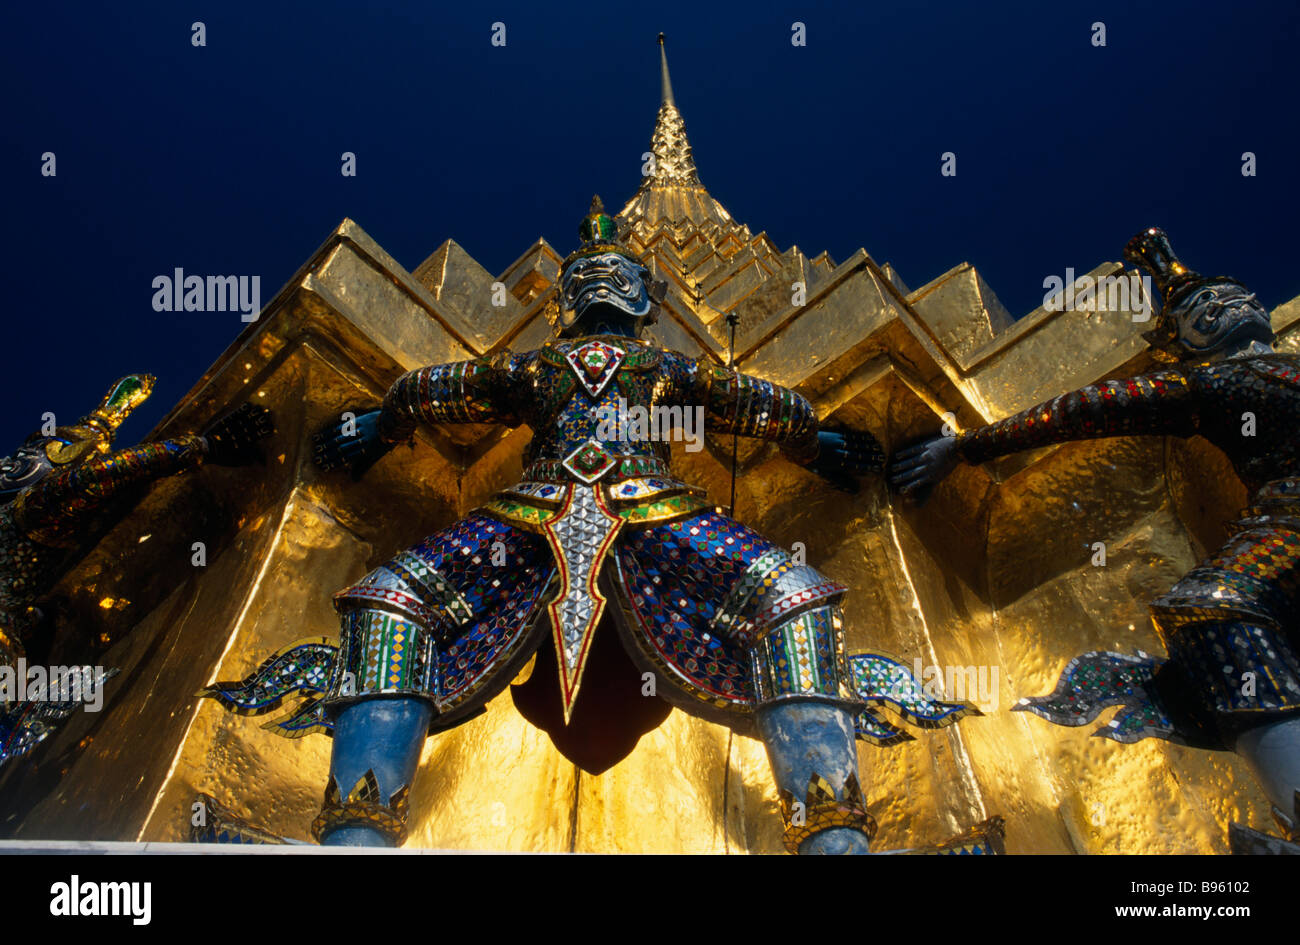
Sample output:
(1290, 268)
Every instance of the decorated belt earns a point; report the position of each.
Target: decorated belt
(531, 504)
(591, 462)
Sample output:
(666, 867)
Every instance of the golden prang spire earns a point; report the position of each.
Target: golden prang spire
(671, 207)
(673, 164)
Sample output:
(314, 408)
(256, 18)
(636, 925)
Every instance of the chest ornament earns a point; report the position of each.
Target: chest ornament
(595, 363)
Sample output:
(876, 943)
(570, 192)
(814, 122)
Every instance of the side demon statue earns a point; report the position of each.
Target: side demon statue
(1232, 679)
(54, 489)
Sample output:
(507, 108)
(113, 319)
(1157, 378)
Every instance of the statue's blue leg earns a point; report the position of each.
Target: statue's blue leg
(782, 618)
(807, 739)
(397, 651)
(1273, 753)
(379, 735)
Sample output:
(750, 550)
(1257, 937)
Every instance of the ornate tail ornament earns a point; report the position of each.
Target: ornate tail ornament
(213, 822)
(301, 669)
(1101, 679)
(880, 679)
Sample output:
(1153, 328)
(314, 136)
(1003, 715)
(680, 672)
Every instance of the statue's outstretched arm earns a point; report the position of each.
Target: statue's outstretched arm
(1162, 403)
(52, 510)
(480, 390)
(750, 406)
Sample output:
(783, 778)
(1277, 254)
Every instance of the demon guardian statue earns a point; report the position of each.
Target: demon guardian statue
(734, 629)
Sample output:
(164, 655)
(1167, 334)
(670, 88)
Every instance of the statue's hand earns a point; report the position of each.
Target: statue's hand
(844, 456)
(916, 469)
(233, 440)
(354, 443)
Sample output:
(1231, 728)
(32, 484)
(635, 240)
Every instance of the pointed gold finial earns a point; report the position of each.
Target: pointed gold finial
(665, 82)
(673, 162)
(670, 190)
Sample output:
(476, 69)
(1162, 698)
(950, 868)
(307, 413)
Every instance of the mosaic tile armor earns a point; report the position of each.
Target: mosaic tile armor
(591, 496)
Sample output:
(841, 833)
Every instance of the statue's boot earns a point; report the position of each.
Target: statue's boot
(813, 752)
(377, 744)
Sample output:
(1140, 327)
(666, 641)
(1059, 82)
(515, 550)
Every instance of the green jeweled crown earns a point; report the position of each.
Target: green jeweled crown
(599, 234)
(597, 225)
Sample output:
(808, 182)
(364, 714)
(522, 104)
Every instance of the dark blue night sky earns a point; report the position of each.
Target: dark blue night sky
(225, 159)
